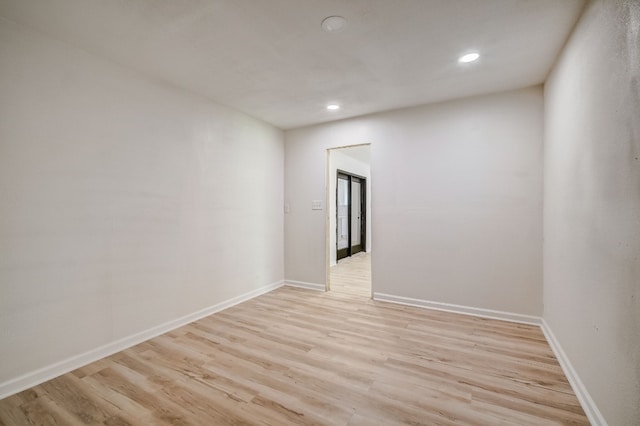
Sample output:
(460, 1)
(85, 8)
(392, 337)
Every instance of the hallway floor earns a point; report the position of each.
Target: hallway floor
(352, 275)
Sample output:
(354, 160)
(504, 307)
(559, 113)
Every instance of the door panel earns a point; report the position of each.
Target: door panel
(350, 214)
(342, 205)
(356, 216)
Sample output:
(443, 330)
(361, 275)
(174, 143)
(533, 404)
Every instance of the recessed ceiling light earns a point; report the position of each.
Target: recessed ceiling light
(333, 107)
(334, 24)
(469, 57)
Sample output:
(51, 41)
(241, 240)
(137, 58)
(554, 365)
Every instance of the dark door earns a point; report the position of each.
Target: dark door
(351, 215)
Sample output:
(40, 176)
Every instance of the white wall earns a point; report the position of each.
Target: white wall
(457, 200)
(124, 203)
(592, 206)
(338, 160)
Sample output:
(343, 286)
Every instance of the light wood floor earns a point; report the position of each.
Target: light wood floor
(296, 356)
(352, 275)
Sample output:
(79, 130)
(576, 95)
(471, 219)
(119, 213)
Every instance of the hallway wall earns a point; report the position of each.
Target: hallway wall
(125, 203)
(592, 206)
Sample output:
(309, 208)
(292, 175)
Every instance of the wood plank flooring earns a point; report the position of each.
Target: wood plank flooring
(352, 275)
(300, 357)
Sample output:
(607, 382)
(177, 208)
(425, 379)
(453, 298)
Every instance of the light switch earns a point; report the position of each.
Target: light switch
(287, 208)
(316, 205)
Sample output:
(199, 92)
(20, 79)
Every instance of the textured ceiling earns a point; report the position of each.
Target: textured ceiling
(271, 59)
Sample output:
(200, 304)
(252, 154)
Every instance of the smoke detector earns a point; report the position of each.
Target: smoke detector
(334, 24)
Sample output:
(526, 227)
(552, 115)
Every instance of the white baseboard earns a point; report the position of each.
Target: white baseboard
(589, 407)
(459, 309)
(302, 284)
(49, 372)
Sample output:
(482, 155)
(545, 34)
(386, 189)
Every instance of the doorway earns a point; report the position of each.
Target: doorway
(351, 214)
(348, 221)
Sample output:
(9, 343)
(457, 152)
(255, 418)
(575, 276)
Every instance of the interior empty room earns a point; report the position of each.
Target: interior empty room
(337, 212)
